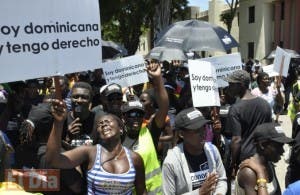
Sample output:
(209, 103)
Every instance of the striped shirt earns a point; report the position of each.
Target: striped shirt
(100, 181)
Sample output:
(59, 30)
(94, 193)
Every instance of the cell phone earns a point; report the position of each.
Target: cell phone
(77, 111)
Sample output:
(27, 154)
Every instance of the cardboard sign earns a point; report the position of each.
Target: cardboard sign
(47, 38)
(282, 61)
(126, 72)
(203, 83)
(225, 65)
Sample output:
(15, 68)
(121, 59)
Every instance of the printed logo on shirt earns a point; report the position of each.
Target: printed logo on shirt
(199, 177)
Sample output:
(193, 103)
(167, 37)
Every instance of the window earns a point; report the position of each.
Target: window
(252, 14)
(251, 50)
(282, 10)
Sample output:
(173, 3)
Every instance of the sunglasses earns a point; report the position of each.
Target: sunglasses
(134, 115)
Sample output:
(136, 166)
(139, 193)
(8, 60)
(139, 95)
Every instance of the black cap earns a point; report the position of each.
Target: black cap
(269, 131)
(41, 116)
(190, 118)
(238, 76)
(132, 105)
(110, 89)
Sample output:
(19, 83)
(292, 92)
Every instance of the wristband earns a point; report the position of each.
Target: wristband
(257, 187)
(261, 180)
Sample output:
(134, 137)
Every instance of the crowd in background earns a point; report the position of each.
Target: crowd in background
(149, 138)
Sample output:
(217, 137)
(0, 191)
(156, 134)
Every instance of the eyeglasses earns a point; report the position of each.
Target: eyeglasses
(134, 115)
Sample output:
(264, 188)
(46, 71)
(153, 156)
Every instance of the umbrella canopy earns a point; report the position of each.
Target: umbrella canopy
(164, 53)
(196, 35)
(293, 53)
(111, 49)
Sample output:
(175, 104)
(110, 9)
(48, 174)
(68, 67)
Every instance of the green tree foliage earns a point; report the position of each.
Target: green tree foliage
(227, 17)
(124, 21)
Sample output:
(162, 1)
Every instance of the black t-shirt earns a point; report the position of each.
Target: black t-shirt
(88, 128)
(198, 166)
(242, 119)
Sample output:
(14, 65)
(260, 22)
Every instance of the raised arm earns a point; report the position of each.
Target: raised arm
(154, 70)
(54, 157)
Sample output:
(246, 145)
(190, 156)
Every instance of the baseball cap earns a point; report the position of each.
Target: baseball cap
(41, 116)
(110, 89)
(269, 131)
(190, 118)
(238, 76)
(132, 105)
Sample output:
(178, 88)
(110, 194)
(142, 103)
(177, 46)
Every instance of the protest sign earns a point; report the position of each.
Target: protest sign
(225, 65)
(49, 37)
(281, 61)
(203, 83)
(269, 69)
(126, 72)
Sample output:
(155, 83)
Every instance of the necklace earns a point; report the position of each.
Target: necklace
(116, 157)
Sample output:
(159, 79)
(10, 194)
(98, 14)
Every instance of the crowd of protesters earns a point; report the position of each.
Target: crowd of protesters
(149, 138)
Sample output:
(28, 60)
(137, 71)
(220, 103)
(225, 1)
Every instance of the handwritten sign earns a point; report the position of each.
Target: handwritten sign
(126, 72)
(203, 83)
(47, 38)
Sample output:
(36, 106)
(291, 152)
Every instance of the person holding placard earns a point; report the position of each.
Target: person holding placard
(144, 140)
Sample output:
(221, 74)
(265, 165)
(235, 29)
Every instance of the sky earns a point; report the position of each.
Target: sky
(203, 4)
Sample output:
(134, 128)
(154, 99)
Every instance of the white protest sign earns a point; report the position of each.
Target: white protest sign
(269, 69)
(281, 61)
(126, 72)
(203, 83)
(49, 37)
(225, 65)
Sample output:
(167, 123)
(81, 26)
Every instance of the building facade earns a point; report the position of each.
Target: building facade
(259, 25)
(266, 24)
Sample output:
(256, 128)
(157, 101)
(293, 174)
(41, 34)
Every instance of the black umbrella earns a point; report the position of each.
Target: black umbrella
(196, 35)
(164, 53)
(293, 53)
(111, 50)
